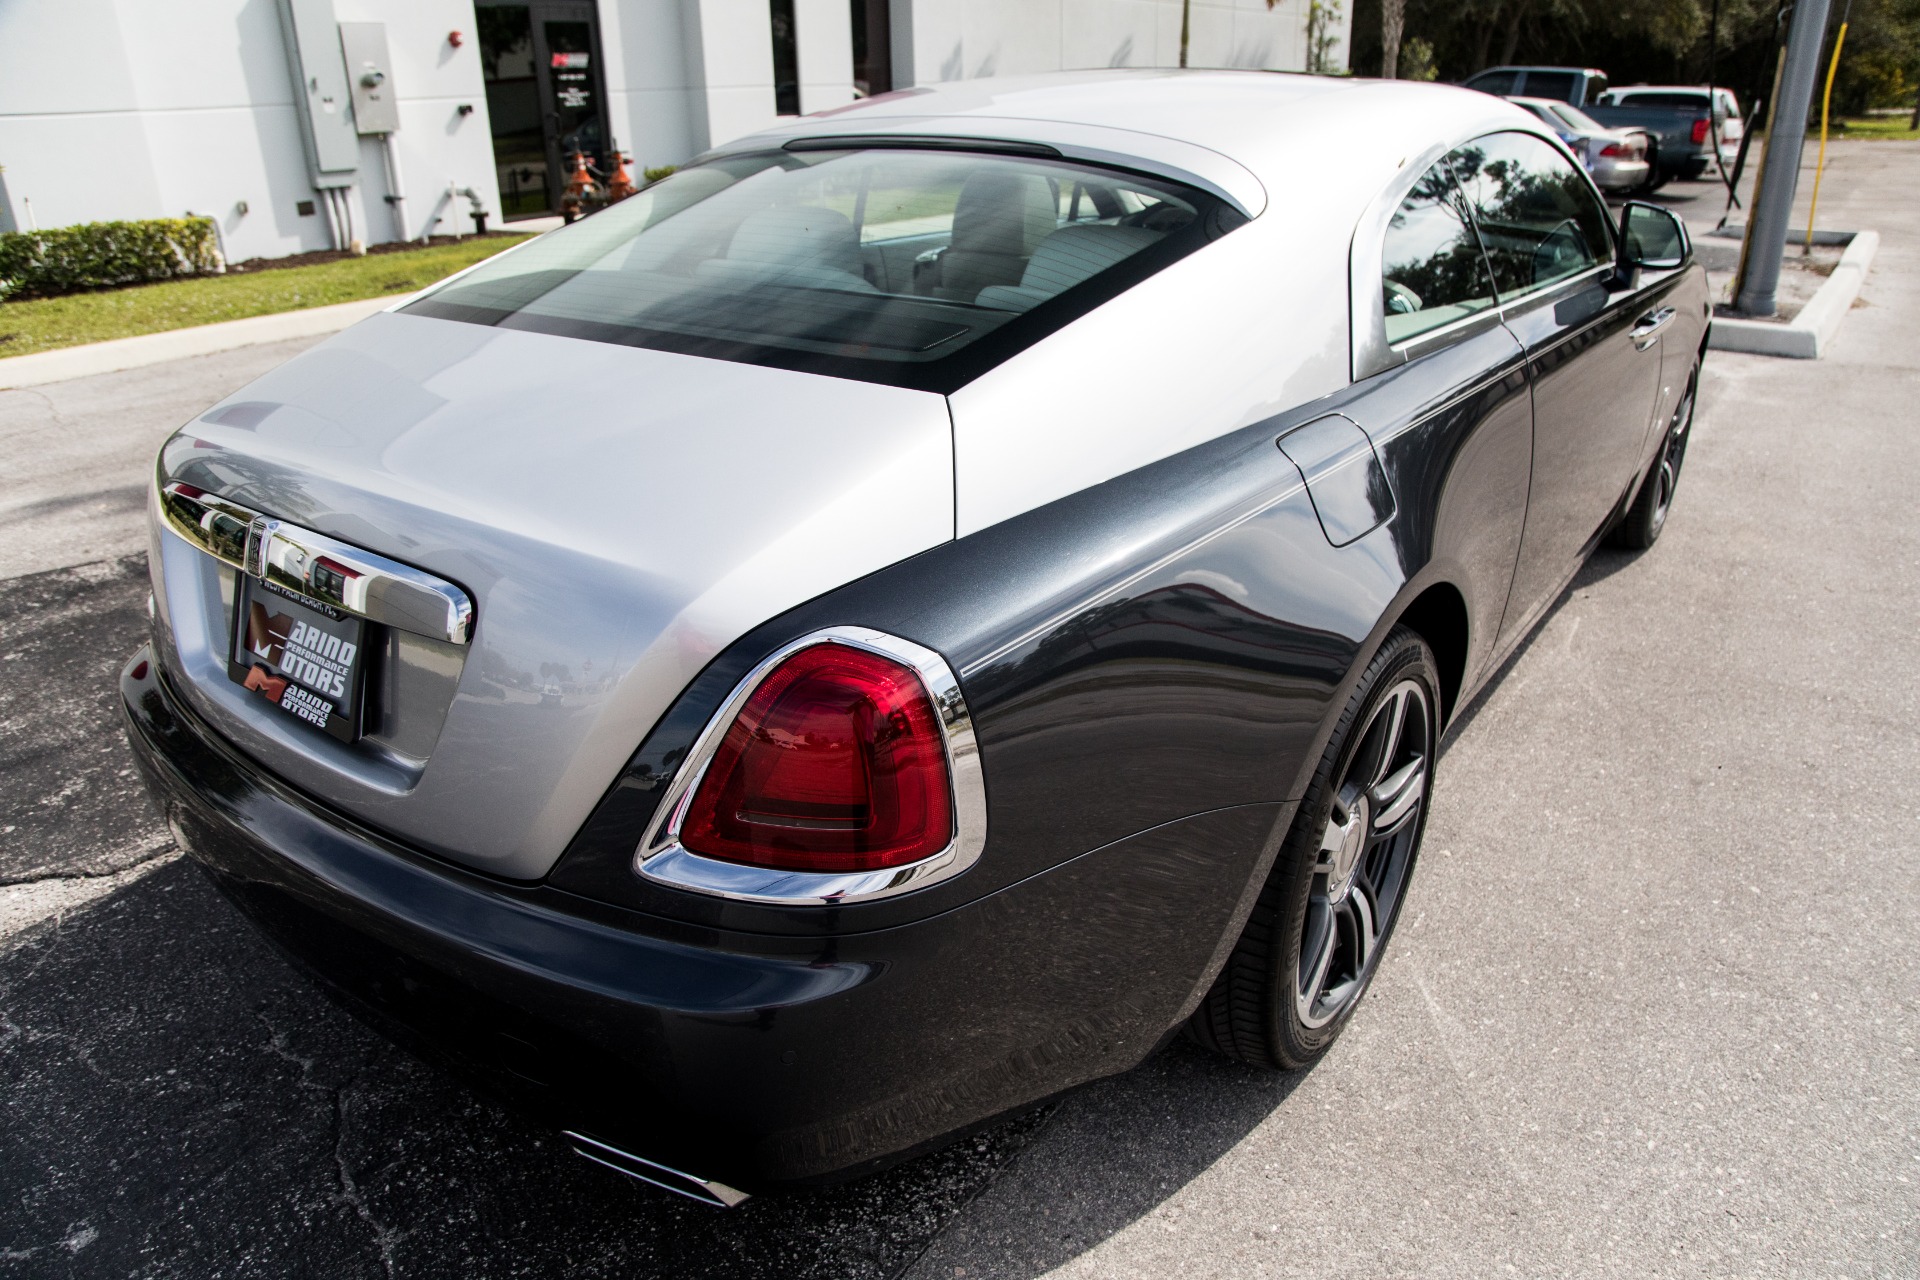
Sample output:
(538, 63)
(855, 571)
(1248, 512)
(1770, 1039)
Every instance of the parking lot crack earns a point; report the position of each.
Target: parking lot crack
(157, 853)
(347, 1188)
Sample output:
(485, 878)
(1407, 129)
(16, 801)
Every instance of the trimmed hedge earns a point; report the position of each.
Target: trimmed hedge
(100, 255)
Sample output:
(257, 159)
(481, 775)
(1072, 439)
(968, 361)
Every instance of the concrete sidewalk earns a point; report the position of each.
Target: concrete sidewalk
(149, 349)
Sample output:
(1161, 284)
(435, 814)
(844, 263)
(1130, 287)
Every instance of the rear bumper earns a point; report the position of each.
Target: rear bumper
(1616, 175)
(752, 1060)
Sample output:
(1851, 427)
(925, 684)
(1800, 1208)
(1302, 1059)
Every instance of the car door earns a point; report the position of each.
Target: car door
(1548, 240)
(1444, 398)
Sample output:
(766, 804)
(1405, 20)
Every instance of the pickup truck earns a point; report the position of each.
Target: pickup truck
(1680, 121)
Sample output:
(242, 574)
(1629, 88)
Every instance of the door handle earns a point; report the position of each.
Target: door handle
(1646, 330)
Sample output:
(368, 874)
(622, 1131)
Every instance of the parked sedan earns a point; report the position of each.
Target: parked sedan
(915, 609)
(1616, 159)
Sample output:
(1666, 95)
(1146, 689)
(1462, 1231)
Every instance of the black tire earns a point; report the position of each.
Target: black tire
(1640, 527)
(1314, 900)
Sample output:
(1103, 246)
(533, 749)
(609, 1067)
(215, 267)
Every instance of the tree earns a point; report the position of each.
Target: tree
(1321, 39)
(1393, 21)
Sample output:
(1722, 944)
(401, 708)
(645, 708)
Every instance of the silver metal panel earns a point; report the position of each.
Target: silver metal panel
(376, 103)
(661, 856)
(618, 516)
(321, 98)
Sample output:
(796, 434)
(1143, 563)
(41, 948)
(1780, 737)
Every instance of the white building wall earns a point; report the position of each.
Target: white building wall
(125, 109)
(652, 78)
(937, 40)
(825, 40)
(137, 109)
(730, 44)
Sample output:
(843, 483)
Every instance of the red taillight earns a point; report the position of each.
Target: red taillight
(1700, 128)
(837, 762)
(1614, 150)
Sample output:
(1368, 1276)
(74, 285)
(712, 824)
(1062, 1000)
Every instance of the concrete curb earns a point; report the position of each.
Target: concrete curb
(1817, 322)
(176, 344)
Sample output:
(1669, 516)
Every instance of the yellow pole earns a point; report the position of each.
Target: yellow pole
(1820, 165)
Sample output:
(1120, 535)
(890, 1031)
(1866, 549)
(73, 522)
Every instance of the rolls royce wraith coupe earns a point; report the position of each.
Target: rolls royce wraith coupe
(912, 611)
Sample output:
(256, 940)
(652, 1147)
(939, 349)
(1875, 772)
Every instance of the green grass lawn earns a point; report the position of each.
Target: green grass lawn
(1875, 127)
(43, 324)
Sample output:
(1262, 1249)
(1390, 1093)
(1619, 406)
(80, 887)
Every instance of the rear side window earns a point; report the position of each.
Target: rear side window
(1497, 82)
(1628, 98)
(1432, 271)
(918, 268)
(1538, 217)
(1557, 85)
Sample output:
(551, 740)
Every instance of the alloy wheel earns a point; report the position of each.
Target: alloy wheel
(1366, 851)
(1672, 453)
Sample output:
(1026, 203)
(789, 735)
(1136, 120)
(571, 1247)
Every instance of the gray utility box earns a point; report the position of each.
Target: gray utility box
(321, 98)
(376, 109)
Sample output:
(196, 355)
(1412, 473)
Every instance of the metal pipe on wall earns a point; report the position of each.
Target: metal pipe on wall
(333, 217)
(396, 198)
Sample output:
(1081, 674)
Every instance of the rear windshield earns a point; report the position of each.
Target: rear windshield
(1628, 98)
(917, 268)
(1579, 120)
(1550, 84)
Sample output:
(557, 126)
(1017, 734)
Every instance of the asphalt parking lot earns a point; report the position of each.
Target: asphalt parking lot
(1651, 1013)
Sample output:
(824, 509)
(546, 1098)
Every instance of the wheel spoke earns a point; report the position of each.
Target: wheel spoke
(1396, 713)
(1396, 796)
(1316, 955)
(1366, 931)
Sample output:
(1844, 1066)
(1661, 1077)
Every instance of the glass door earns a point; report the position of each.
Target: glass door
(545, 98)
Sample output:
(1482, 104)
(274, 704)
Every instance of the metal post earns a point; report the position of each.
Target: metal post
(1786, 131)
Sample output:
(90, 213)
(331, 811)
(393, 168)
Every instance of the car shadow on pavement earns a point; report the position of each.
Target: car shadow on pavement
(183, 1101)
(1601, 565)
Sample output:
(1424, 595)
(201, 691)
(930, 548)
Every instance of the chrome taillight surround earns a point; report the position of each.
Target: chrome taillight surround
(663, 859)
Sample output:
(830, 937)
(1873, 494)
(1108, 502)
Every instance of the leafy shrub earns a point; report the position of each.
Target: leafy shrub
(651, 176)
(100, 255)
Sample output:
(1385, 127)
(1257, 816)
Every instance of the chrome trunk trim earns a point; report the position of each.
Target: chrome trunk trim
(360, 582)
(661, 857)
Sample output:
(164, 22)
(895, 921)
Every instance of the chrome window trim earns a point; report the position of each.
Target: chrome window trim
(661, 858)
(1372, 352)
(374, 587)
(1566, 285)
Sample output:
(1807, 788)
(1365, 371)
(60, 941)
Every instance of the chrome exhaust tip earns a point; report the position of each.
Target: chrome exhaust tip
(718, 1194)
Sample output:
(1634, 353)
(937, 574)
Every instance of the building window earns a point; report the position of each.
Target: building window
(872, 48)
(786, 59)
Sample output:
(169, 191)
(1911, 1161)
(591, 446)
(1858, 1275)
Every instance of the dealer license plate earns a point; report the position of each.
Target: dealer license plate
(302, 655)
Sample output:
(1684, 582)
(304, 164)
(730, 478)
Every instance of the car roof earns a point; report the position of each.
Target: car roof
(1241, 133)
(1514, 66)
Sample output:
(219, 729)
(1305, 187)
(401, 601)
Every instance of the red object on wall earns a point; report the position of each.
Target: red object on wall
(455, 39)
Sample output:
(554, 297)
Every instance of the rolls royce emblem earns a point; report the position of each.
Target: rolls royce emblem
(257, 547)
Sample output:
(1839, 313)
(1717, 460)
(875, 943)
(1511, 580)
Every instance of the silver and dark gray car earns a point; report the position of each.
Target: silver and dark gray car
(908, 613)
(1616, 159)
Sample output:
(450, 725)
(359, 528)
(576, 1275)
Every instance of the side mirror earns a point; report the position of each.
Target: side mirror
(1652, 239)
